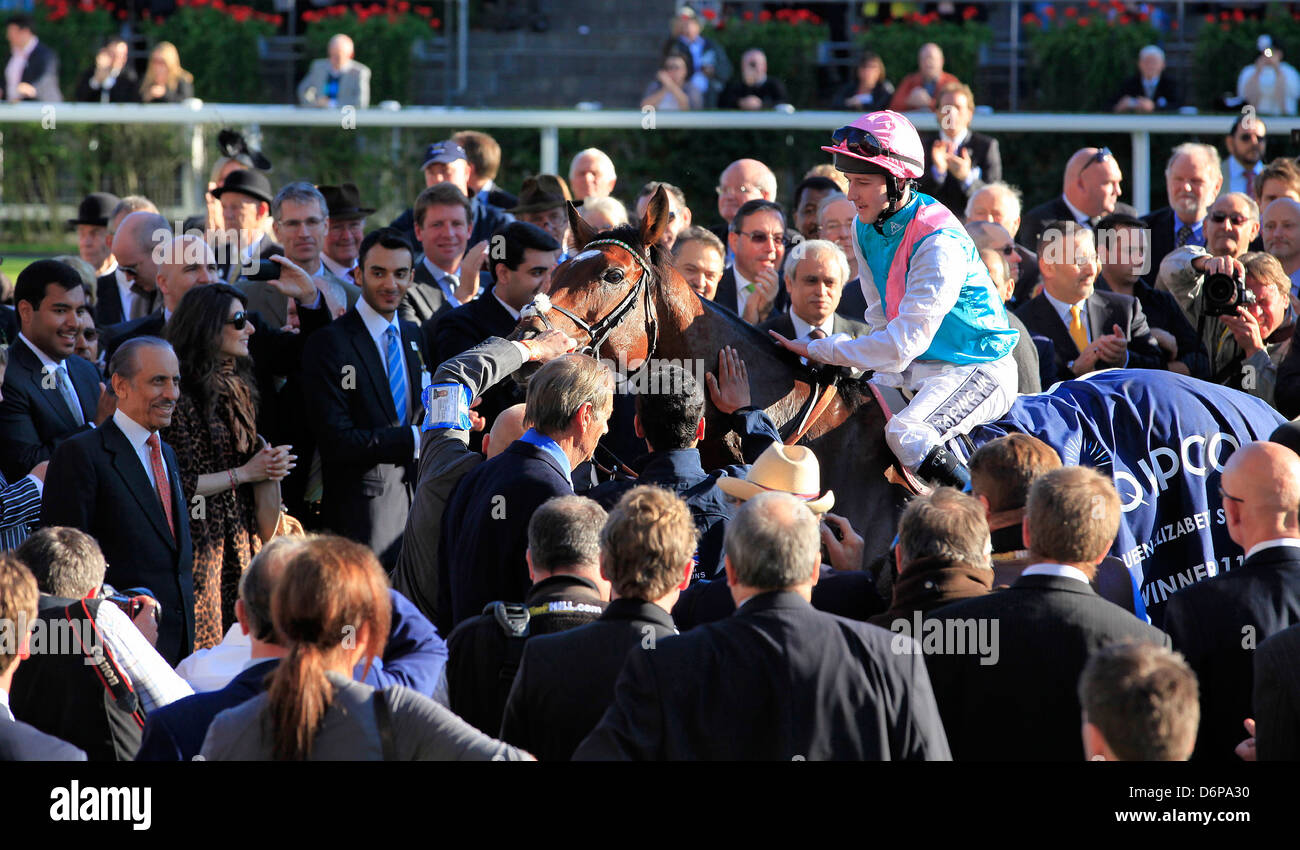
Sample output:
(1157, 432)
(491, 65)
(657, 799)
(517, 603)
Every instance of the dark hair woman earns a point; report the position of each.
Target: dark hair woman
(331, 610)
(231, 471)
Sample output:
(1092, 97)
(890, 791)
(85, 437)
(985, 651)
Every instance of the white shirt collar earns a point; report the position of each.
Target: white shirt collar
(514, 314)
(136, 434)
(957, 140)
(1063, 309)
(742, 284)
(1078, 214)
(1061, 570)
(40, 355)
(112, 269)
(1271, 544)
(5, 711)
(802, 329)
(377, 325)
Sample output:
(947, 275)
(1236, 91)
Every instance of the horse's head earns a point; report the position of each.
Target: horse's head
(604, 295)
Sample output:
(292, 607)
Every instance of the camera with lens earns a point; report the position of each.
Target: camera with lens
(1222, 294)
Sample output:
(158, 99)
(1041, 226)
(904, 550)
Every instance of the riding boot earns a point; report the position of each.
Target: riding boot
(944, 468)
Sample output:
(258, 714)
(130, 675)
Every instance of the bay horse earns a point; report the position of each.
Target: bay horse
(621, 298)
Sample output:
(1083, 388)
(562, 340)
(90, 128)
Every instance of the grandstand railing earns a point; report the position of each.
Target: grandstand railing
(548, 123)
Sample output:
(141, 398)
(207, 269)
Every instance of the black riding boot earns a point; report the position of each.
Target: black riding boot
(944, 468)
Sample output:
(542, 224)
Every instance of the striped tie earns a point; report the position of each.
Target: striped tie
(396, 374)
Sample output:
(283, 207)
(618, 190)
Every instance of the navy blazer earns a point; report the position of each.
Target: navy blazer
(485, 530)
(1277, 697)
(1024, 705)
(779, 681)
(96, 482)
(367, 452)
(108, 301)
(22, 742)
(34, 418)
(1209, 622)
(1105, 309)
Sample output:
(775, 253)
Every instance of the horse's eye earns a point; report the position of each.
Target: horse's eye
(612, 275)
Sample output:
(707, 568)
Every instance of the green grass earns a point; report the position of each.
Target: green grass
(19, 256)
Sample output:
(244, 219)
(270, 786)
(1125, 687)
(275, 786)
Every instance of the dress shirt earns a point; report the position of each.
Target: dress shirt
(14, 70)
(377, 326)
(1241, 180)
(803, 329)
(1062, 570)
(1271, 544)
(127, 294)
(137, 435)
(59, 367)
(1198, 232)
(5, 712)
(1063, 310)
(446, 282)
(743, 288)
(337, 269)
(1079, 216)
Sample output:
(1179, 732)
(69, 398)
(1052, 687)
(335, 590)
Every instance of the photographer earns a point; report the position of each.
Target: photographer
(1231, 224)
(1247, 345)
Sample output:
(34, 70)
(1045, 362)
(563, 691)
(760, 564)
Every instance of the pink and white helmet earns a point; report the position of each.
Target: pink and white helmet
(885, 139)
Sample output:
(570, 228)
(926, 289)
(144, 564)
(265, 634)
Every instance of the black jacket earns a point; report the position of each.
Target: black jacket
(1277, 697)
(565, 682)
(1215, 623)
(984, 155)
(1033, 222)
(1105, 309)
(482, 657)
(34, 418)
(108, 301)
(1024, 706)
(1166, 94)
(424, 299)
(126, 89)
(779, 681)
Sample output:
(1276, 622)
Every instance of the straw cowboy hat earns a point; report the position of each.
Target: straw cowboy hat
(788, 469)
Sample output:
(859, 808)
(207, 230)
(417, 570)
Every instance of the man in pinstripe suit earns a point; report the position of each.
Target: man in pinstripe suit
(20, 502)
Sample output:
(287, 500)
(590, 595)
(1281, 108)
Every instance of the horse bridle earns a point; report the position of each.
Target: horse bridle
(600, 330)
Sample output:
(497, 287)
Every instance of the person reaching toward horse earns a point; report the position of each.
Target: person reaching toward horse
(939, 329)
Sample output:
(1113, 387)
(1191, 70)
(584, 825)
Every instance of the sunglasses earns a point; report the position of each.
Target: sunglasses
(864, 143)
(1099, 156)
(239, 320)
(1223, 495)
(1008, 250)
(1237, 219)
(759, 237)
(90, 334)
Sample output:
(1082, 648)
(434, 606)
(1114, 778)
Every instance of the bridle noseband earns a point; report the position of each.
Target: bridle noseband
(600, 330)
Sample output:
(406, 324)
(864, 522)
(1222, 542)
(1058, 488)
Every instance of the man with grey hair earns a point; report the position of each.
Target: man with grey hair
(1150, 89)
(1192, 180)
(815, 273)
(301, 221)
(113, 291)
(568, 590)
(778, 680)
(60, 690)
(591, 175)
(1000, 203)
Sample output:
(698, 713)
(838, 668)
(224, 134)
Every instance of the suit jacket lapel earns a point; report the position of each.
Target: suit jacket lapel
(49, 397)
(1057, 332)
(414, 367)
(370, 362)
(87, 389)
(127, 464)
(1100, 317)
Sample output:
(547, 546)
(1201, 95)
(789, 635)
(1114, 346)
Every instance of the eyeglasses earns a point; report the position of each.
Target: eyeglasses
(89, 334)
(864, 143)
(1099, 156)
(1237, 219)
(736, 190)
(758, 237)
(1008, 250)
(1223, 495)
(239, 320)
(1246, 137)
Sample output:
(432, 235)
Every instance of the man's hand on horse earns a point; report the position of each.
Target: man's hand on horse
(729, 388)
(549, 345)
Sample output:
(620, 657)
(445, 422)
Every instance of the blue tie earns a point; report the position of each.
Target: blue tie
(396, 374)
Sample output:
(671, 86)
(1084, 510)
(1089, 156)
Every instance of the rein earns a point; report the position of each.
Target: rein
(600, 330)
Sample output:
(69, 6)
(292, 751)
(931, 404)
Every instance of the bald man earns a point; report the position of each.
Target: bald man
(741, 181)
(134, 244)
(1217, 622)
(337, 81)
(592, 175)
(1089, 190)
(445, 456)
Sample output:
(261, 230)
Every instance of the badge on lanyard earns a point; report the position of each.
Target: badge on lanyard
(446, 406)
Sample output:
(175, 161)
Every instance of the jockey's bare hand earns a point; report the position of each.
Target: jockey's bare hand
(846, 553)
(729, 388)
(549, 345)
(800, 348)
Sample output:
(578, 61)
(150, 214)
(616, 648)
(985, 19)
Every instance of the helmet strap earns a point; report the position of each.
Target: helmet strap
(895, 192)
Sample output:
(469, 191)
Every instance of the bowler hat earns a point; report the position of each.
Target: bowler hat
(248, 182)
(784, 469)
(96, 208)
(344, 202)
(541, 193)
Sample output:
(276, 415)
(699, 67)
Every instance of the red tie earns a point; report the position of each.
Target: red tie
(161, 483)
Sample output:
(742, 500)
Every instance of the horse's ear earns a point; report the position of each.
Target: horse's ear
(582, 232)
(655, 220)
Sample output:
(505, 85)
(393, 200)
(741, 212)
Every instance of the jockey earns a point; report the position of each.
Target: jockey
(939, 329)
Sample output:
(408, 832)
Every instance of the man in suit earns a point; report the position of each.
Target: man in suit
(524, 269)
(1245, 145)
(569, 590)
(445, 162)
(815, 274)
(958, 162)
(246, 210)
(1277, 697)
(1192, 180)
(120, 484)
(1090, 329)
(778, 680)
(91, 225)
(362, 381)
(1019, 702)
(32, 72)
(1150, 89)
(1139, 704)
(50, 394)
(751, 285)
(18, 605)
(134, 244)
(698, 256)
(115, 293)
(566, 681)
(483, 154)
(740, 182)
(485, 526)
(1000, 203)
(1090, 190)
(442, 215)
(112, 79)
(679, 215)
(347, 229)
(1217, 622)
(337, 81)
(302, 220)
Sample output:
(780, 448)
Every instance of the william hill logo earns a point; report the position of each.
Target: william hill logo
(91, 803)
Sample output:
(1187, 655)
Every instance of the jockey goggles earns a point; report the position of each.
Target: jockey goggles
(864, 143)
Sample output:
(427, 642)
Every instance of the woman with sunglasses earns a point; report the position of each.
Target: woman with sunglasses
(941, 329)
(230, 476)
